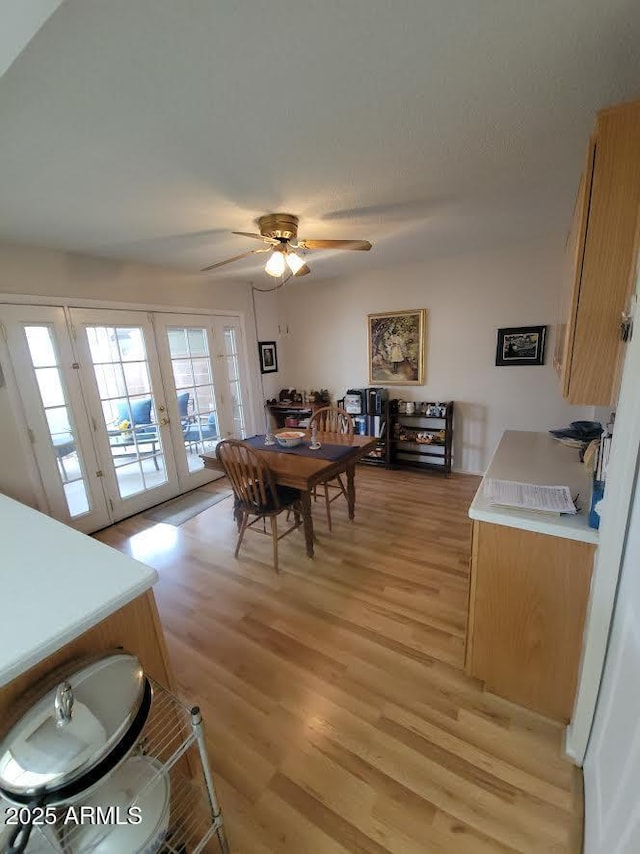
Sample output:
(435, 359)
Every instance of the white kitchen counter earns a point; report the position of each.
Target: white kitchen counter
(56, 583)
(530, 457)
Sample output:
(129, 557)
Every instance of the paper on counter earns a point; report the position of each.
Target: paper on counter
(529, 496)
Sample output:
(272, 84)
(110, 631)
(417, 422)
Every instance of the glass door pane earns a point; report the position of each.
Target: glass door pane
(230, 335)
(121, 377)
(54, 414)
(192, 374)
(121, 368)
(188, 364)
(61, 429)
(204, 369)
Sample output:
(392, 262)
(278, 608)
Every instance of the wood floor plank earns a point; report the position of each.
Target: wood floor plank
(517, 778)
(337, 711)
(470, 802)
(291, 829)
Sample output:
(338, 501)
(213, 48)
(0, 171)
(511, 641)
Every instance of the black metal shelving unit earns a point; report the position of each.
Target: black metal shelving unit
(410, 445)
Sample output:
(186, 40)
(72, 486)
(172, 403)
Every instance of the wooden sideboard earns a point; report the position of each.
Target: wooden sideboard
(280, 411)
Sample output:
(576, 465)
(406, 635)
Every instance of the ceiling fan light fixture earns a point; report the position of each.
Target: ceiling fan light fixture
(279, 231)
(294, 261)
(275, 265)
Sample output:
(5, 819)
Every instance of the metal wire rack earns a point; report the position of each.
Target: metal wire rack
(173, 739)
(174, 731)
(193, 827)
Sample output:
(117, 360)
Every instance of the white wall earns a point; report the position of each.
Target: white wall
(30, 270)
(267, 315)
(613, 547)
(52, 274)
(320, 329)
(468, 298)
(612, 763)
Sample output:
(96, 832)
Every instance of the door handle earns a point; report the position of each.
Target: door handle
(163, 421)
(162, 408)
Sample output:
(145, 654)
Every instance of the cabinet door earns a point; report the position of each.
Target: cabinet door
(594, 346)
(530, 595)
(574, 256)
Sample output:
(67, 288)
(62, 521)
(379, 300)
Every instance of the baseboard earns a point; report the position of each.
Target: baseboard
(466, 471)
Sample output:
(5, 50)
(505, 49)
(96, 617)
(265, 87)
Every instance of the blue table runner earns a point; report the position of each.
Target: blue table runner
(325, 452)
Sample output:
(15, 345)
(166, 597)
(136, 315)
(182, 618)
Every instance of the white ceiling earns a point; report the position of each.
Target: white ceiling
(20, 22)
(149, 129)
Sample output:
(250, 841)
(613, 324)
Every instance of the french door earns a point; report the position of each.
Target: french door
(118, 405)
(54, 417)
(201, 358)
(125, 397)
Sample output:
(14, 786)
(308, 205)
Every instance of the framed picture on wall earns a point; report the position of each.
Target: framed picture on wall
(521, 345)
(396, 342)
(268, 357)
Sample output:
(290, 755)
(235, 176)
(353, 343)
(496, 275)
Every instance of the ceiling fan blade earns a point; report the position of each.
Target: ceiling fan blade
(235, 258)
(303, 271)
(335, 244)
(270, 240)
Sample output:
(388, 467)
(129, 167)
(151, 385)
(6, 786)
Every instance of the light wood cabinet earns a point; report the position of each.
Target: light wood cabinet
(135, 627)
(601, 256)
(527, 606)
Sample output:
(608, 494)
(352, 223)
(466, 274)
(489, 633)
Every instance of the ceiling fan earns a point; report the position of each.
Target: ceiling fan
(280, 232)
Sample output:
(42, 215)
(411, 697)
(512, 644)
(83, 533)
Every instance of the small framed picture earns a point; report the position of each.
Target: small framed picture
(268, 357)
(521, 345)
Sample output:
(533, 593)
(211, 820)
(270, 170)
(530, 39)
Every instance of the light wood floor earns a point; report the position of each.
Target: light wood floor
(337, 711)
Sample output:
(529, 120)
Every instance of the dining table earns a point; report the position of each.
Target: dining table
(303, 468)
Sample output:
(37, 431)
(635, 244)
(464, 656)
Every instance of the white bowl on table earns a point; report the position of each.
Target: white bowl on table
(290, 438)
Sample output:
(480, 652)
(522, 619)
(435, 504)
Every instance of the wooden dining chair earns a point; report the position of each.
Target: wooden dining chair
(256, 493)
(332, 419)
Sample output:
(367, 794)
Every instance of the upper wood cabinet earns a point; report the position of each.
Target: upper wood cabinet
(600, 260)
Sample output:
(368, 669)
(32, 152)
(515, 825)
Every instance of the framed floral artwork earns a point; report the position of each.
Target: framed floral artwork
(396, 347)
